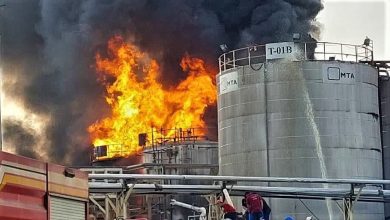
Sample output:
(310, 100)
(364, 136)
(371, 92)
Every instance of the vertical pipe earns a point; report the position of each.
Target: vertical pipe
(267, 134)
(154, 151)
(249, 56)
(219, 64)
(234, 58)
(342, 55)
(107, 206)
(356, 53)
(380, 86)
(149, 206)
(305, 55)
(165, 207)
(224, 61)
(324, 51)
(124, 208)
(117, 205)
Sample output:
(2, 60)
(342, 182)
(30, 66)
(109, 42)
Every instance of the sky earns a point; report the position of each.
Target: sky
(350, 21)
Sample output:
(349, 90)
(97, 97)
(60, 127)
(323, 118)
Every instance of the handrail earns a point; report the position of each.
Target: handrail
(157, 137)
(310, 51)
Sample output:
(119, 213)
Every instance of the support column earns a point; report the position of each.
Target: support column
(149, 206)
(107, 207)
(124, 209)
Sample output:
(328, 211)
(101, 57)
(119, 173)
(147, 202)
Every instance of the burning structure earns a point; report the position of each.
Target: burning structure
(139, 102)
(183, 152)
(50, 72)
(287, 109)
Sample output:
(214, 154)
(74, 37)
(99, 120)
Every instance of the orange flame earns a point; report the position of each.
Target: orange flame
(139, 102)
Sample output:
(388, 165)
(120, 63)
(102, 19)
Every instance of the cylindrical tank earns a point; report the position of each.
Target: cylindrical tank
(196, 157)
(384, 85)
(300, 118)
(184, 158)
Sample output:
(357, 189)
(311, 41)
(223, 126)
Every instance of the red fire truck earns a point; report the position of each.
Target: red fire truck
(35, 190)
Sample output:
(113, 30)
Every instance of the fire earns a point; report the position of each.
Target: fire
(139, 102)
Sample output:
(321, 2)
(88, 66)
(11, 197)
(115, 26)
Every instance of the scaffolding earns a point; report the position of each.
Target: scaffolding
(165, 151)
(176, 151)
(355, 190)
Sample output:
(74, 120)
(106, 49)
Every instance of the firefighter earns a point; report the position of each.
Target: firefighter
(254, 206)
(227, 206)
(266, 210)
(228, 210)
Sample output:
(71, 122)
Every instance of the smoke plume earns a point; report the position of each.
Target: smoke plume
(49, 49)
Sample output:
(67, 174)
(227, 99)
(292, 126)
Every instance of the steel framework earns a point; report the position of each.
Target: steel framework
(122, 185)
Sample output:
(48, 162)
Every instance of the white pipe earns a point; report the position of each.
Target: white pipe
(227, 197)
(101, 187)
(201, 210)
(238, 178)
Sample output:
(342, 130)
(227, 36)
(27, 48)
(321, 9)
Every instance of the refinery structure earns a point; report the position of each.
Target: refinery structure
(151, 120)
(301, 123)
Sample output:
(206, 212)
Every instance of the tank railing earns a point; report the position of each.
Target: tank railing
(241, 57)
(311, 51)
(162, 136)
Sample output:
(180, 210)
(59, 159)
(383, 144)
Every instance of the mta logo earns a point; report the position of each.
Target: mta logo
(335, 73)
(231, 82)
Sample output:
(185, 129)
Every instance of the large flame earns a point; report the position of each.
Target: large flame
(139, 102)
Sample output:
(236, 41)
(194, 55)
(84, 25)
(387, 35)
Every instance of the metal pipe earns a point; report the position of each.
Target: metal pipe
(238, 179)
(124, 208)
(224, 61)
(324, 51)
(227, 197)
(234, 59)
(305, 51)
(356, 54)
(101, 187)
(107, 206)
(201, 210)
(219, 62)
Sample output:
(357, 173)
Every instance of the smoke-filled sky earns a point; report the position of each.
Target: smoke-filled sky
(48, 48)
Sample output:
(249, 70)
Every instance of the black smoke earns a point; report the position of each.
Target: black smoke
(25, 138)
(52, 45)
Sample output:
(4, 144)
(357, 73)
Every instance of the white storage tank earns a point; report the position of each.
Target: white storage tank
(287, 111)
